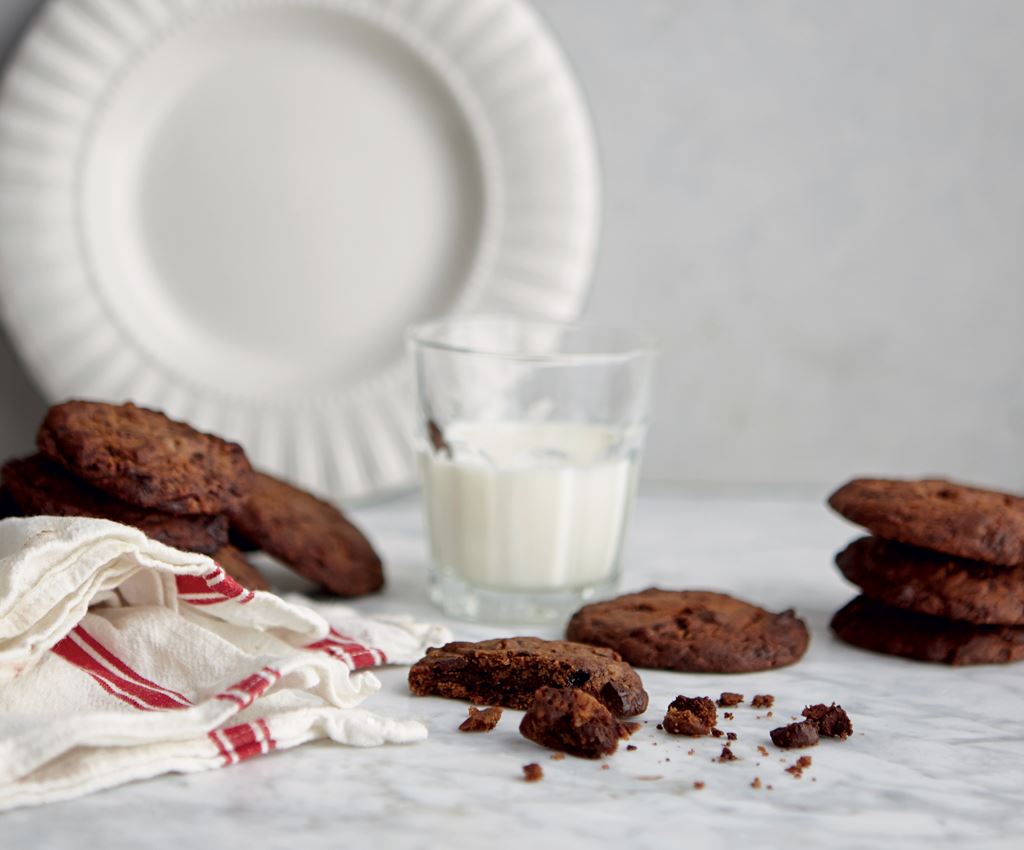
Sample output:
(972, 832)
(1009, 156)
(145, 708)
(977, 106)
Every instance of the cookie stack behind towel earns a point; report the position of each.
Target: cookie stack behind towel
(190, 490)
(942, 576)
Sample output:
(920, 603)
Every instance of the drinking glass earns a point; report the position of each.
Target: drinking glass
(529, 440)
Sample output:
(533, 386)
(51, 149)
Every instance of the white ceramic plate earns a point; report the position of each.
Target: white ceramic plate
(231, 209)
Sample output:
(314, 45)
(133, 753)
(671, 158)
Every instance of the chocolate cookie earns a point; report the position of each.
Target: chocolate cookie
(235, 565)
(894, 631)
(963, 521)
(8, 507)
(310, 536)
(141, 457)
(933, 583)
(41, 487)
(508, 671)
(571, 721)
(692, 631)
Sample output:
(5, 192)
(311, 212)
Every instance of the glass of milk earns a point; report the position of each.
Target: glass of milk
(529, 440)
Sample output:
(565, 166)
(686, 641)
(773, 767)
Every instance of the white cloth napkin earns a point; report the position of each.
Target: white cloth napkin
(122, 658)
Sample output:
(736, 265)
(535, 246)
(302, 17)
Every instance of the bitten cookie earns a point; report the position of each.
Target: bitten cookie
(141, 457)
(691, 631)
(933, 583)
(880, 628)
(235, 565)
(508, 671)
(963, 521)
(572, 721)
(41, 487)
(310, 536)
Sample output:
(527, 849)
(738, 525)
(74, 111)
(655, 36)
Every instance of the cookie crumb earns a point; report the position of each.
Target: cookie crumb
(691, 716)
(795, 735)
(770, 714)
(698, 785)
(690, 752)
(631, 747)
(762, 701)
(729, 698)
(730, 736)
(763, 750)
(557, 756)
(481, 720)
(756, 783)
(796, 770)
(716, 733)
(533, 772)
(832, 721)
(727, 755)
(605, 767)
(728, 715)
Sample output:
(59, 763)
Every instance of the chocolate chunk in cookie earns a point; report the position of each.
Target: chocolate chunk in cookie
(234, 563)
(508, 671)
(41, 487)
(967, 522)
(141, 457)
(572, 721)
(832, 721)
(691, 716)
(692, 631)
(894, 631)
(795, 735)
(310, 536)
(934, 583)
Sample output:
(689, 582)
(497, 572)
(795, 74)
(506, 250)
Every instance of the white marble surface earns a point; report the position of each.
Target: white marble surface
(937, 758)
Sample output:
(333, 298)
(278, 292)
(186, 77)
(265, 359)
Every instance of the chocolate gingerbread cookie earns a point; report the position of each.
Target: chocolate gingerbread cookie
(508, 671)
(141, 457)
(933, 583)
(691, 631)
(39, 486)
(967, 522)
(893, 631)
(235, 565)
(309, 535)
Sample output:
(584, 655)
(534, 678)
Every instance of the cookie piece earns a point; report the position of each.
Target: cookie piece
(894, 631)
(309, 535)
(933, 583)
(481, 720)
(691, 631)
(762, 701)
(141, 457)
(39, 486)
(729, 699)
(967, 522)
(832, 721)
(234, 563)
(508, 672)
(795, 735)
(691, 716)
(572, 721)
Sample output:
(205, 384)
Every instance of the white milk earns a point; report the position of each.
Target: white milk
(526, 506)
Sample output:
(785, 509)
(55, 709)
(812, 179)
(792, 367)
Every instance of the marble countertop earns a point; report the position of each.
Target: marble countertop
(937, 758)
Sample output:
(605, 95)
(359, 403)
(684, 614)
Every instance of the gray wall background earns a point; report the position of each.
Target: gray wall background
(819, 207)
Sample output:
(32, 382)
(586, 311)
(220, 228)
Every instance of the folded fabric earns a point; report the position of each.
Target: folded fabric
(122, 658)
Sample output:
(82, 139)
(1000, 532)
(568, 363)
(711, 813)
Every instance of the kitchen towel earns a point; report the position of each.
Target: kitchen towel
(122, 658)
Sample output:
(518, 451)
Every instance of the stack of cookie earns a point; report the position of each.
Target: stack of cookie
(942, 576)
(187, 489)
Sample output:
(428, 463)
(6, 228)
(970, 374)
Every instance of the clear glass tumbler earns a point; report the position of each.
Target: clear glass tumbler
(529, 438)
